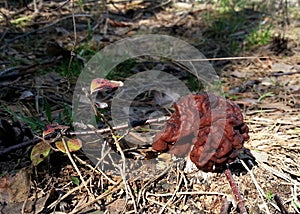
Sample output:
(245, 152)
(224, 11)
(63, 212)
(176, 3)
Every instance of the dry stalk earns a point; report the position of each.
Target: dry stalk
(174, 194)
(76, 168)
(105, 194)
(55, 203)
(97, 170)
(259, 189)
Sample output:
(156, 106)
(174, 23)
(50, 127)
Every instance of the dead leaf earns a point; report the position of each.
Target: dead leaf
(52, 128)
(73, 145)
(99, 84)
(277, 67)
(239, 74)
(116, 206)
(15, 188)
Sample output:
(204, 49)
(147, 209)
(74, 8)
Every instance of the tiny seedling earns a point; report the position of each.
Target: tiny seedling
(75, 180)
(259, 36)
(269, 196)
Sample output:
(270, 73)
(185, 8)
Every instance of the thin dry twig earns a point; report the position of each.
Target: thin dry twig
(185, 193)
(76, 168)
(55, 203)
(94, 169)
(259, 189)
(114, 189)
(151, 181)
(173, 195)
(161, 204)
(223, 58)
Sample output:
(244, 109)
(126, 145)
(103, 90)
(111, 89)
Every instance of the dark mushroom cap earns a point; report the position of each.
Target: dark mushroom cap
(211, 124)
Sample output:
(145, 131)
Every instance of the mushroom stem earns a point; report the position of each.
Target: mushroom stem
(280, 205)
(226, 206)
(236, 192)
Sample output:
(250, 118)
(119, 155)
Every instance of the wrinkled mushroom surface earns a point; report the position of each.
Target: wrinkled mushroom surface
(206, 126)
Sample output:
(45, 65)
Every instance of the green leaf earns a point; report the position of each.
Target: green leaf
(39, 152)
(75, 180)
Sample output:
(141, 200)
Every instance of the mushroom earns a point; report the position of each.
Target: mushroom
(207, 127)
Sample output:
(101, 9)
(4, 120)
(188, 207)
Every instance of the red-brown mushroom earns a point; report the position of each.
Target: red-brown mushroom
(206, 126)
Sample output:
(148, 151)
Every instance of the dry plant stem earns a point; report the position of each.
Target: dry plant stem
(105, 130)
(19, 146)
(127, 189)
(95, 170)
(100, 131)
(236, 192)
(186, 187)
(75, 41)
(223, 58)
(259, 189)
(159, 203)
(75, 166)
(186, 193)
(105, 194)
(173, 195)
(55, 203)
(295, 198)
(151, 181)
(133, 199)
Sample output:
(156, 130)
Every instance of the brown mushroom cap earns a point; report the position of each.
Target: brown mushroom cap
(211, 124)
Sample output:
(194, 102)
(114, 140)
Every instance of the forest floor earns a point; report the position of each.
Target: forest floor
(259, 70)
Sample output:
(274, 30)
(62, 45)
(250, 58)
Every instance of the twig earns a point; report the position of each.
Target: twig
(18, 71)
(97, 170)
(128, 190)
(53, 204)
(236, 192)
(19, 146)
(100, 131)
(151, 181)
(278, 74)
(259, 189)
(75, 166)
(75, 42)
(295, 199)
(186, 193)
(161, 204)
(105, 194)
(105, 130)
(186, 187)
(173, 195)
(222, 58)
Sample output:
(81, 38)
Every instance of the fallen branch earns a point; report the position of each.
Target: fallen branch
(100, 131)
